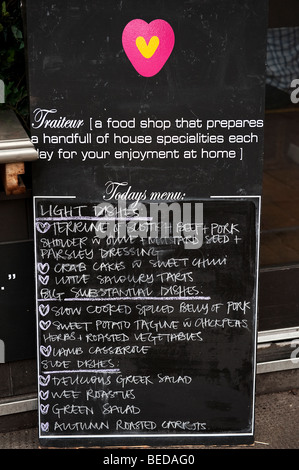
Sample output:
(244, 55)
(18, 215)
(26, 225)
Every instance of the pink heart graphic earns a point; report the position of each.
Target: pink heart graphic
(148, 45)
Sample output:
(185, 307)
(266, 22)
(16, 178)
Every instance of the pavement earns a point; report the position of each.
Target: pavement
(276, 427)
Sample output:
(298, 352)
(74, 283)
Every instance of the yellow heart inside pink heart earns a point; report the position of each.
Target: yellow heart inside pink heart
(147, 50)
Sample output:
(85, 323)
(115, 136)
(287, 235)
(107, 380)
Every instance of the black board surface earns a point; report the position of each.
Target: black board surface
(147, 201)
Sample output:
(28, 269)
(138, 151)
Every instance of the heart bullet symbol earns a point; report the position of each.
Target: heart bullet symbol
(43, 268)
(148, 45)
(44, 395)
(44, 309)
(44, 381)
(46, 351)
(44, 409)
(45, 324)
(44, 280)
(45, 427)
(43, 227)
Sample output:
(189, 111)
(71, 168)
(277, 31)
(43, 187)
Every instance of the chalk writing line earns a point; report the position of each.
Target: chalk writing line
(110, 299)
(94, 371)
(133, 436)
(105, 219)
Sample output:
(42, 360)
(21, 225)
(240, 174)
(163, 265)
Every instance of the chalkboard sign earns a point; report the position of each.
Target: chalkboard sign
(143, 337)
(148, 120)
